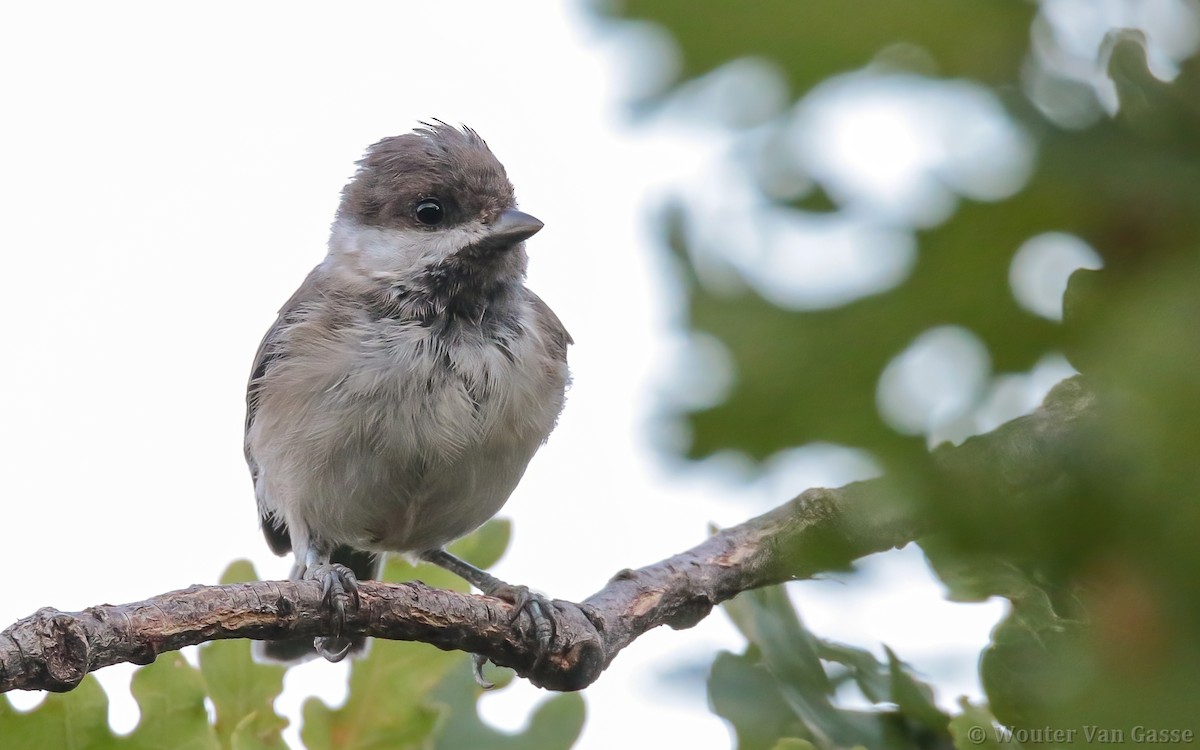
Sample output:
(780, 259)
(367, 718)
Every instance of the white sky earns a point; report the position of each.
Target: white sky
(167, 177)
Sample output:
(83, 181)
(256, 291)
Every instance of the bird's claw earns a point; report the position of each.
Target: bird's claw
(541, 613)
(339, 591)
(540, 608)
(477, 664)
(545, 627)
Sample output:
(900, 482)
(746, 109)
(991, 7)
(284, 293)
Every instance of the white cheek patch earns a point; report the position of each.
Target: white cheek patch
(396, 254)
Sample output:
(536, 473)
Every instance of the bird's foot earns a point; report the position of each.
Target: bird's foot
(339, 590)
(540, 608)
(542, 614)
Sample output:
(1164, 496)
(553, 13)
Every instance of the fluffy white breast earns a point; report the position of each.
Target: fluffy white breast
(389, 434)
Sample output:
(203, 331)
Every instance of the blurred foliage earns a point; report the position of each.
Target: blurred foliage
(779, 688)
(402, 695)
(1100, 559)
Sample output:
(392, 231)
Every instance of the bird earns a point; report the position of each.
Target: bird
(399, 396)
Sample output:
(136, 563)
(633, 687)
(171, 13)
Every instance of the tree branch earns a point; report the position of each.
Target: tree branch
(821, 529)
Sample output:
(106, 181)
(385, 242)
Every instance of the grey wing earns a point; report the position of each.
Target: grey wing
(271, 350)
(551, 328)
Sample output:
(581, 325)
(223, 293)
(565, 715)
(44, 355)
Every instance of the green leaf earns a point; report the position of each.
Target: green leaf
(239, 571)
(170, 693)
(792, 743)
(746, 695)
(391, 704)
(389, 707)
(485, 546)
(976, 577)
(791, 654)
(913, 698)
(984, 39)
(975, 727)
(780, 688)
(77, 720)
(243, 691)
(555, 723)
(1020, 667)
(872, 676)
(768, 620)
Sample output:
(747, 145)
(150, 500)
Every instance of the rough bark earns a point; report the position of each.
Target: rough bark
(821, 529)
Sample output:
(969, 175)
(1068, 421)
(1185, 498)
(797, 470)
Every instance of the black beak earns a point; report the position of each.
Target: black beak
(512, 226)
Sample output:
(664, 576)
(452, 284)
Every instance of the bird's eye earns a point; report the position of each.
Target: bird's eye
(429, 212)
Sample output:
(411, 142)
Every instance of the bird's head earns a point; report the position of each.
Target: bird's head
(432, 206)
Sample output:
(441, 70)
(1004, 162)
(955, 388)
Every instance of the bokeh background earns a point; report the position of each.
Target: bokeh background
(797, 244)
